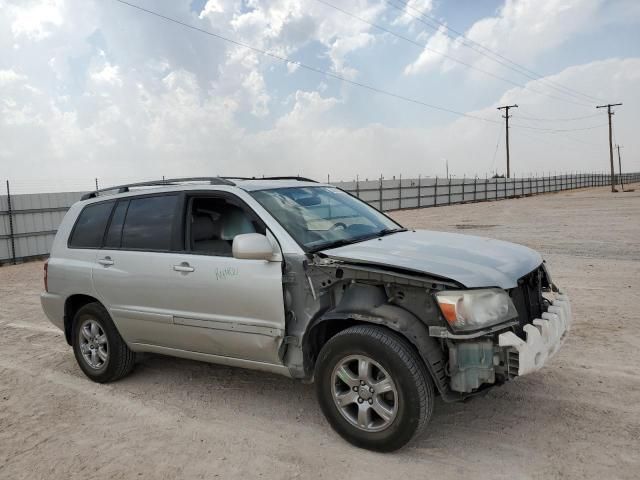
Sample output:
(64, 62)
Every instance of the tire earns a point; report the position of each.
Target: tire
(99, 349)
(407, 408)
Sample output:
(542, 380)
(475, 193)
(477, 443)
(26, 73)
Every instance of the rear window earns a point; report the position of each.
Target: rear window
(149, 223)
(89, 228)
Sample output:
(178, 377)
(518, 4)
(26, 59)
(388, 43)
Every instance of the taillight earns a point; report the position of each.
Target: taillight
(46, 275)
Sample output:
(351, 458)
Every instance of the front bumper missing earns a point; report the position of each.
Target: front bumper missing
(543, 338)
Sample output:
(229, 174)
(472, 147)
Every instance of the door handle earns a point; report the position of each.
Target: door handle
(105, 262)
(184, 267)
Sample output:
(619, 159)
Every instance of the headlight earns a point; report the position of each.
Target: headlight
(473, 309)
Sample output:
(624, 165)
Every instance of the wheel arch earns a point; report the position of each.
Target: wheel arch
(388, 316)
(72, 304)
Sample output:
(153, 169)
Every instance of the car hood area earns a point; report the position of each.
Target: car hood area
(466, 259)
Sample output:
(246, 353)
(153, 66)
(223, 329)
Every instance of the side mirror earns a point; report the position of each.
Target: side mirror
(252, 246)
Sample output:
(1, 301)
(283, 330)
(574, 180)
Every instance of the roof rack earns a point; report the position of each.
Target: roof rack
(300, 179)
(157, 183)
(297, 177)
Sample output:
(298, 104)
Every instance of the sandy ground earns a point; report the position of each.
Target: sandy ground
(578, 418)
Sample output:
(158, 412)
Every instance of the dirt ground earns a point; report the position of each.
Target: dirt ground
(577, 418)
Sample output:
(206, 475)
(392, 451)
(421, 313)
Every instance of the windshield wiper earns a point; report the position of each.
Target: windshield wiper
(387, 231)
(348, 241)
(336, 243)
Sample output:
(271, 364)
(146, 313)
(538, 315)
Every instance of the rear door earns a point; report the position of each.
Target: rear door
(223, 305)
(132, 270)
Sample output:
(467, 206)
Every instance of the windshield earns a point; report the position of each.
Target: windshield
(324, 217)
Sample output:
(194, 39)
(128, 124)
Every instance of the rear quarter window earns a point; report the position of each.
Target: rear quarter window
(89, 228)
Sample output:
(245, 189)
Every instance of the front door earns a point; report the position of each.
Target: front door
(224, 305)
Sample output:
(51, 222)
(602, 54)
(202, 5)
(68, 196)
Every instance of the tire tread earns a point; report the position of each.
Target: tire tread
(409, 357)
(122, 358)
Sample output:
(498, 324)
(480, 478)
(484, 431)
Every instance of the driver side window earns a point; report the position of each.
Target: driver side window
(215, 221)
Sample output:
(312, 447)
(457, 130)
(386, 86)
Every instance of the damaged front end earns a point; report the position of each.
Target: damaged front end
(503, 352)
(324, 295)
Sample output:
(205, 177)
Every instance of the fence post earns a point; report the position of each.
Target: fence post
(400, 193)
(449, 191)
(357, 186)
(419, 192)
(11, 232)
(475, 186)
(496, 188)
(486, 187)
(381, 193)
(464, 177)
(435, 193)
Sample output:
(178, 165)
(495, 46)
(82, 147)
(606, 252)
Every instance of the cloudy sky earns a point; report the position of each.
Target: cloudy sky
(101, 89)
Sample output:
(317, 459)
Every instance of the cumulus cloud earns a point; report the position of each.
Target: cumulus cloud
(35, 20)
(413, 9)
(431, 55)
(10, 76)
(285, 26)
(108, 74)
(522, 29)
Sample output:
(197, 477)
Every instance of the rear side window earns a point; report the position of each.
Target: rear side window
(114, 233)
(149, 223)
(89, 228)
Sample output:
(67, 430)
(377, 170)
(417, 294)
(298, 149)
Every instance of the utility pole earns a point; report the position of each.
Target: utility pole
(609, 113)
(506, 126)
(618, 147)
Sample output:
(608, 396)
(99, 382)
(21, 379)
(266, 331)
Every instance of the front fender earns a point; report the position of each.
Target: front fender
(369, 304)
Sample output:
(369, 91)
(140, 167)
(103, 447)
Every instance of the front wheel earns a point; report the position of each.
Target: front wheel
(373, 388)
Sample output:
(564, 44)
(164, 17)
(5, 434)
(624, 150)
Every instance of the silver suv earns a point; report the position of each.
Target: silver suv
(302, 279)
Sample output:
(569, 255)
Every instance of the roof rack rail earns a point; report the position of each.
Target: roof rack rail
(157, 183)
(300, 179)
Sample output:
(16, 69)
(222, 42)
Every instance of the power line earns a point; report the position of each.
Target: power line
(482, 50)
(554, 130)
(495, 152)
(465, 39)
(565, 119)
(618, 147)
(305, 66)
(538, 138)
(424, 46)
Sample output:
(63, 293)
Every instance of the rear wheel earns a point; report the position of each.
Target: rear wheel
(373, 388)
(98, 347)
